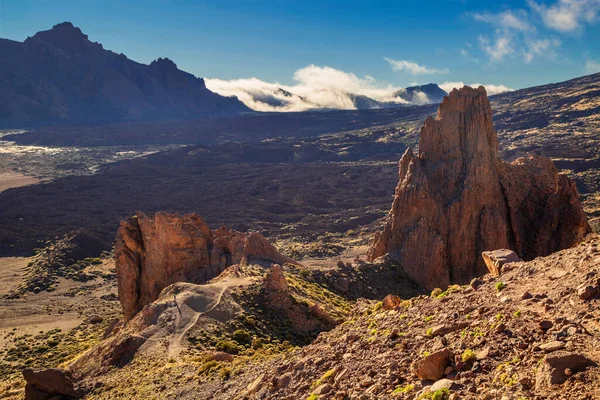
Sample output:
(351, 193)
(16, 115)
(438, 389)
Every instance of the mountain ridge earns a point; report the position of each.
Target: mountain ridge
(59, 76)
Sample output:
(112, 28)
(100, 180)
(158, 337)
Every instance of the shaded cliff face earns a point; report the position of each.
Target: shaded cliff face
(152, 253)
(456, 198)
(59, 76)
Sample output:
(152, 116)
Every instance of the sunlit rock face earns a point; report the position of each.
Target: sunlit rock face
(152, 253)
(456, 198)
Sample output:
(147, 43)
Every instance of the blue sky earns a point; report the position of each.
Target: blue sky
(513, 43)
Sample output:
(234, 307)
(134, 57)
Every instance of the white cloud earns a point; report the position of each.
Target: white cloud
(323, 88)
(413, 67)
(490, 88)
(316, 87)
(516, 31)
(508, 20)
(540, 47)
(592, 66)
(498, 49)
(567, 15)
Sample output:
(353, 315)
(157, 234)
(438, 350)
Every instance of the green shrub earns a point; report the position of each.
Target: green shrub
(227, 346)
(500, 286)
(241, 336)
(404, 389)
(468, 355)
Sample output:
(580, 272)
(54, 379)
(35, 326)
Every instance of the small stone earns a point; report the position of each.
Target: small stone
(323, 389)
(443, 384)
(500, 328)
(545, 325)
(366, 382)
(94, 319)
(586, 292)
(475, 283)
(448, 370)
(552, 346)
(432, 367)
(568, 372)
(482, 354)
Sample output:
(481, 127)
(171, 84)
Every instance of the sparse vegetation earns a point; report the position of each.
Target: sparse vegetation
(468, 355)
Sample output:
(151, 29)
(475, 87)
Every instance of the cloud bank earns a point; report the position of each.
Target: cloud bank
(413, 67)
(318, 87)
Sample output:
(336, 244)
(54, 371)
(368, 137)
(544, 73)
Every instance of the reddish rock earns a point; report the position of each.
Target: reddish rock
(276, 289)
(553, 367)
(456, 199)
(432, 367)
(49, 383)
(390, 302)
(152, 253)
(495, 260)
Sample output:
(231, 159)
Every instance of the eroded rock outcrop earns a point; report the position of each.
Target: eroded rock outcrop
(456, 199)
(152, 253)
(51, 383)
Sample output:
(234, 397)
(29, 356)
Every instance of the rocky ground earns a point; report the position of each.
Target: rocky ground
(530, 333)
(50, 328)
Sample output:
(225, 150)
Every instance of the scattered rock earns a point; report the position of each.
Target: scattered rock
(552, 346)
(545, 325)
(432, 367)
(444, 329)
(323, 389)
(94, 319)
(586, 292)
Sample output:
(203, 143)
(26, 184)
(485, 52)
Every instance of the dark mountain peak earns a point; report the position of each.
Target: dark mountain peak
(72, 79)
(164, 63)
(422, 94)
(65, 36)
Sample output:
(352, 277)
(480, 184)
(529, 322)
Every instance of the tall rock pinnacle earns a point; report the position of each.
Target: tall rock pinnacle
(457, 198)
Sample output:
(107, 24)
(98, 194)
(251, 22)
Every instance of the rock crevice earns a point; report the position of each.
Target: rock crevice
(456, 198)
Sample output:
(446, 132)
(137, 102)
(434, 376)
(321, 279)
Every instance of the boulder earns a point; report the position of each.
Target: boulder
(432, 367)
(496, 259)
(152, 253)
(456, 199)
(48, 383)
(390, 302)
(553, 366)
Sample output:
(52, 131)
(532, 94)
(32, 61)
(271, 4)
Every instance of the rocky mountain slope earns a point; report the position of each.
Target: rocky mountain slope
(213, 314)
(456, 199)
(59, 76)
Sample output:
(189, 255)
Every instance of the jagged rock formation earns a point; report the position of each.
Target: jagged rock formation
(152, 253)
(456, 198)
(59, 75)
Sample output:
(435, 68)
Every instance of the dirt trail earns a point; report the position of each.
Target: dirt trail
(175, 343)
